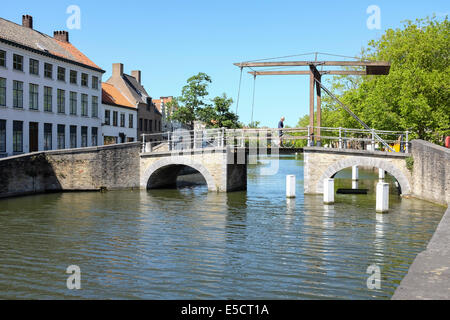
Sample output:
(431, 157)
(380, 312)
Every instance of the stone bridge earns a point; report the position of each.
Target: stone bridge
(218, 166)
(323, 163)
(224, 169)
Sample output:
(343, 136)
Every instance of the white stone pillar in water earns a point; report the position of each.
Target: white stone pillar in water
(328, 191)
(381, 174)
(355, 173)
(382, 197)
(355, 184)
(290, 186)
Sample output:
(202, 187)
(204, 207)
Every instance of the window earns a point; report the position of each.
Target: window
(94, 82)
(73, 103)
(140, 124)
(84, 105)
(17, 136)
(73, 137)
(130, 121)
(150, 125)
(2, 92)
(73, 77)
(34, 97)
(17, 94)
(17, 62)
(61, 136)
(34, 67)
(145, 125)
(61, 101)
(2, 135)
(48, 99)
(159, 125)
(48, 70)
(47, 136)
(2, 58)
(107, 117)
(84, 137)
(122, 120)
(84, 79)
(115, 115)
(61, 74)
(94, 136)
(94, 107)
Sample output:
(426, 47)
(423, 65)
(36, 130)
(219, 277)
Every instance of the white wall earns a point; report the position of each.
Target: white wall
(114, 131)
(26, 115)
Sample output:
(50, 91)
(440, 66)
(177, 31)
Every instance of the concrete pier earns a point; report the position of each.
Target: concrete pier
(381, 174)
(382, 205)
(328, 191)
(355, 173)
(290, 186)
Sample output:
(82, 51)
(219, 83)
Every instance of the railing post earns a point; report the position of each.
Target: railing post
(340, 138)
(345, 140)
(309, 136)
(223, 137)
(195, 140)
(373, 140)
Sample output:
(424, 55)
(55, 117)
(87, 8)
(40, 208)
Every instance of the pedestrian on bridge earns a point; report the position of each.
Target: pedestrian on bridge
(281, 126)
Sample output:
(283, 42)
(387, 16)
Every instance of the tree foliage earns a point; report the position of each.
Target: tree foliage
(415, 94)
(192, 105)
(218, 115)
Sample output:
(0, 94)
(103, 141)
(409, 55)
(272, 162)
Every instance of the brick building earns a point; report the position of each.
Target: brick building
(149, 118)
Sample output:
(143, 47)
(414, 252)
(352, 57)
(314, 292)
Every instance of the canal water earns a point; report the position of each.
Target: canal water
(192, 244)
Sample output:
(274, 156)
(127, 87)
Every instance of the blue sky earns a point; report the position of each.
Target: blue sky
(172, 40)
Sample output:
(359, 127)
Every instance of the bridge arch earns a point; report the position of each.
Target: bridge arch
(164, 172)
(385, 165)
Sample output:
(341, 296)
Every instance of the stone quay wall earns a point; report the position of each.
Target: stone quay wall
(84, 169)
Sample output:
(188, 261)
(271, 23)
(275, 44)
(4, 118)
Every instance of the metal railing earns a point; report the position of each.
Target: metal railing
(339, 138)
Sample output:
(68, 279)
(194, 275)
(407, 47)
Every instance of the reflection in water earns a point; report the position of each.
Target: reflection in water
(192, 244)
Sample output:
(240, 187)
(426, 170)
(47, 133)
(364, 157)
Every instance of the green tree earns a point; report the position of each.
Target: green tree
(218, 115)
(254, 125)
(192, 98)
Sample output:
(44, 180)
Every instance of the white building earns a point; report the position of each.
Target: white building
(50, 93)
(119, 116)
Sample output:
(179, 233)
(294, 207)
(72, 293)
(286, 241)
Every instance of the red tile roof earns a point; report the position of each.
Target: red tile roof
(112, 96)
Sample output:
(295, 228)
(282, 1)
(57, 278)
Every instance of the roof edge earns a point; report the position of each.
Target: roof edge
(13, 43)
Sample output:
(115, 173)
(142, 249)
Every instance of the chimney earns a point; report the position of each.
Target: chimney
(62, 36)
(117, 69)
(27, 21)
(137, 75)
